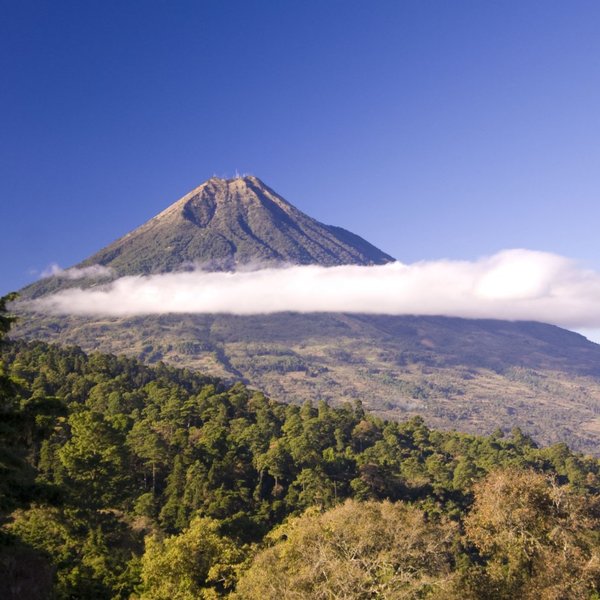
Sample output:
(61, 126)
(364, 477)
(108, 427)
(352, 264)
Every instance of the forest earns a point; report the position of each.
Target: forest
(121, 480)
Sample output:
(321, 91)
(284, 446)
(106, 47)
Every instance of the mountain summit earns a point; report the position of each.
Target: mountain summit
(226, 223)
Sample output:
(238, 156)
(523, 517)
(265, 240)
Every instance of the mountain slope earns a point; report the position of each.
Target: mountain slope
(223, 224)
(475, 375)
(472, 375)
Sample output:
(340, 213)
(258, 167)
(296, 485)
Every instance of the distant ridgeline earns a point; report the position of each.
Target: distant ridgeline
(120, 480)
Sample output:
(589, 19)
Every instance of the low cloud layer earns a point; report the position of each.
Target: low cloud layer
(91, 272)
(513, 284)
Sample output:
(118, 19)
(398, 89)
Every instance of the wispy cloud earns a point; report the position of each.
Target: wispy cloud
(513, 284)
(91, 272)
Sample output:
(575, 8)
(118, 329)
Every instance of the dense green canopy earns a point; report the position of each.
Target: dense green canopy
(121, 480)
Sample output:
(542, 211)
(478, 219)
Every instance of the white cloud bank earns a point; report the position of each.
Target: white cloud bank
(513, 284)
(91, 272)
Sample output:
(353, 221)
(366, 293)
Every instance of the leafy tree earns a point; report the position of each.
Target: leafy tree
(539, 540)
(24, 423)
(172, 514)
(88, 561)
(94, 460)
(148, 445)
(199, 563)
(355, 550)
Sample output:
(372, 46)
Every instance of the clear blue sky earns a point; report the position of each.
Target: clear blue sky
(432, 128)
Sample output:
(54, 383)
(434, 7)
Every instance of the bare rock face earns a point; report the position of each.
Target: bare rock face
(226, 223)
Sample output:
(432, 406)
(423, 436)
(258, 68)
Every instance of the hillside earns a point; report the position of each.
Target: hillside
(472, 375)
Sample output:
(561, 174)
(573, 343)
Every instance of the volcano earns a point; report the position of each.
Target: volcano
(473, 375)
(228, 223)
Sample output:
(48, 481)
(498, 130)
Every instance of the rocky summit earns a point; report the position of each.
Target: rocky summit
(225, 223)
